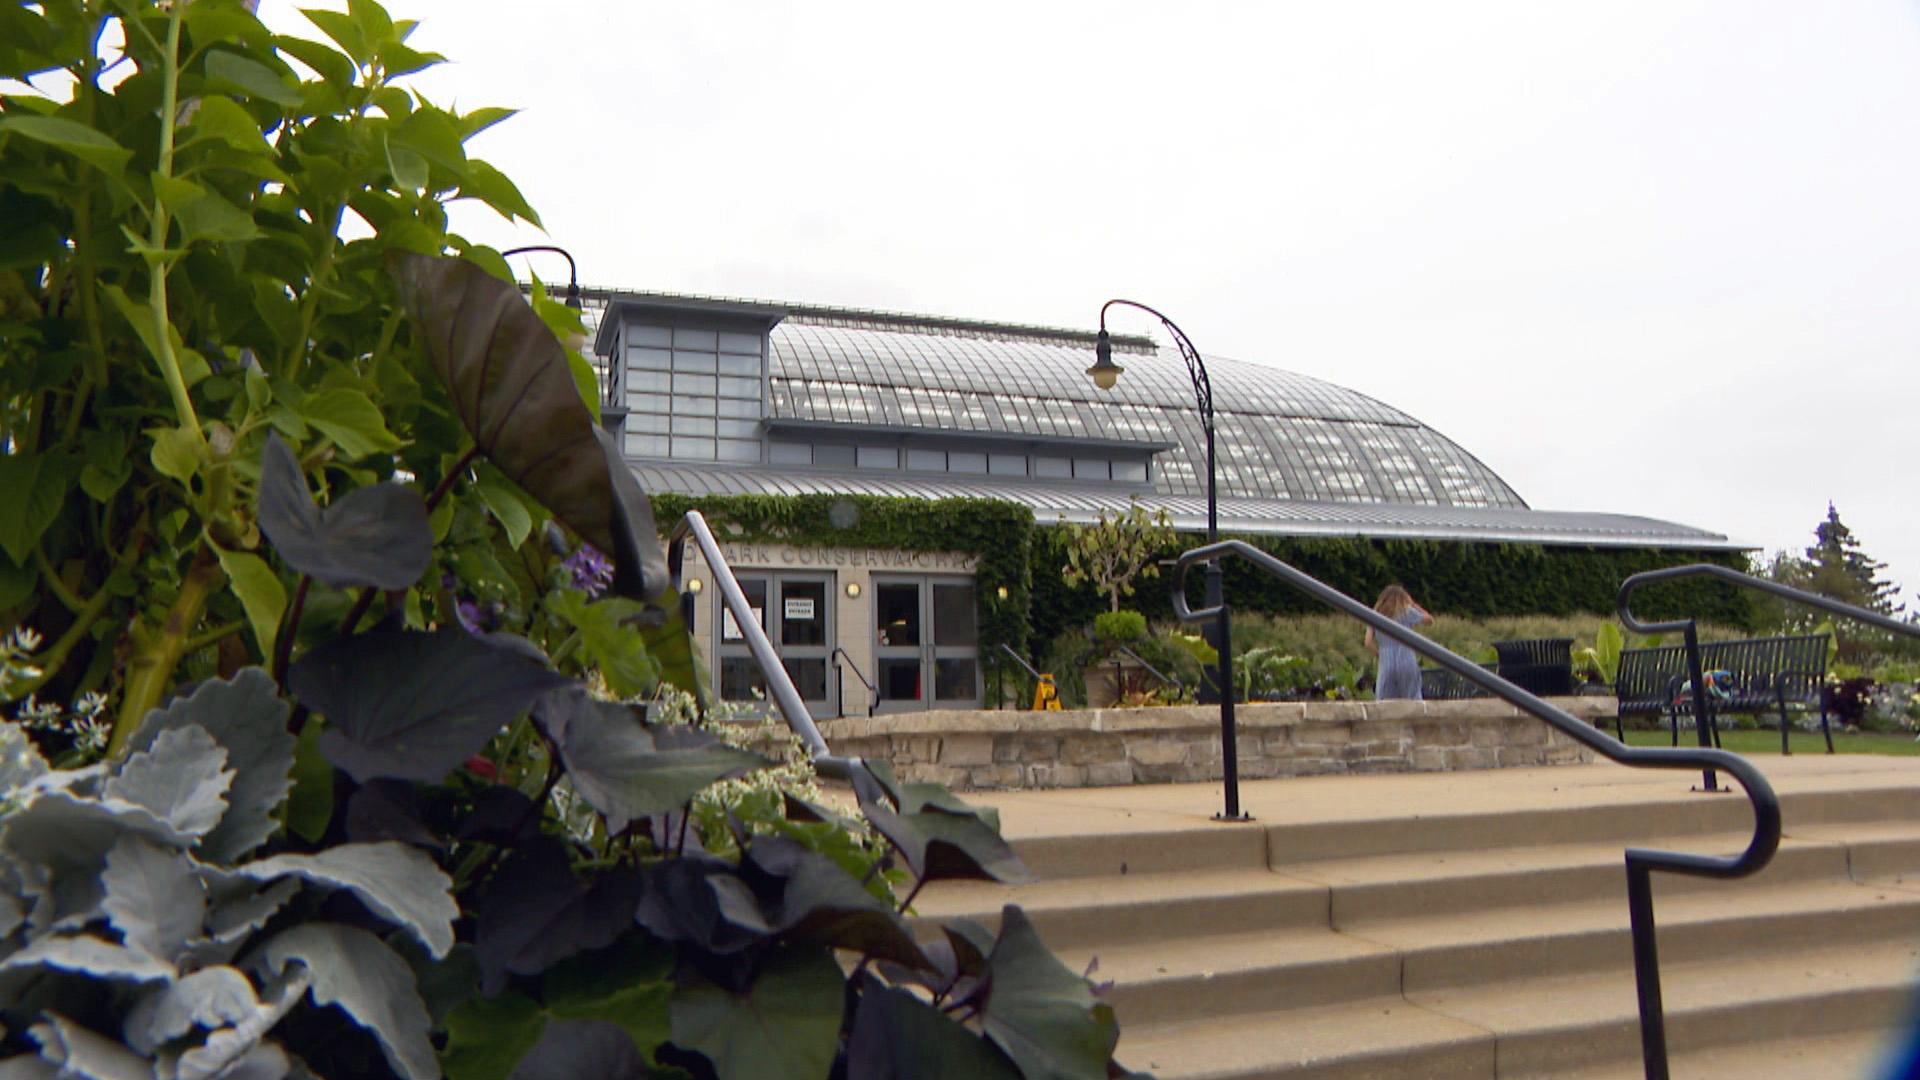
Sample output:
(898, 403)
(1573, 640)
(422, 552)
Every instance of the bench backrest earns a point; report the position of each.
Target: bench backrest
(1646, 675)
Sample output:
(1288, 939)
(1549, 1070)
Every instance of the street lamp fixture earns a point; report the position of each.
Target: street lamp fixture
(1105, 373)
(573, 272)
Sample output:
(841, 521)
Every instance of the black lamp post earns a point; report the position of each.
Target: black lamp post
(1104, 374)
(573, 272)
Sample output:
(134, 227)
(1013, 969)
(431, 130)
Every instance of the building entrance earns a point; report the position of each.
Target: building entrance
(795, 611)
(926, 644)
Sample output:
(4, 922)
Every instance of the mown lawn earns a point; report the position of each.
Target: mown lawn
(1763, 742)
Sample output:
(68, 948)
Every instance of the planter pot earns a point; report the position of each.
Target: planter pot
(1106, 681)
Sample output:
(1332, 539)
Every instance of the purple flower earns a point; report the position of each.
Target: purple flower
(592, 572)
(470, 616)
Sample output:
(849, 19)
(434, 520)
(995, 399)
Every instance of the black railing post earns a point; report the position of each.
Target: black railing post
(1229, 725)
(1702, 721)
(1646, 969)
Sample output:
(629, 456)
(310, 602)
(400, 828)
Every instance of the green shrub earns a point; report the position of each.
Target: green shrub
(1119, 627)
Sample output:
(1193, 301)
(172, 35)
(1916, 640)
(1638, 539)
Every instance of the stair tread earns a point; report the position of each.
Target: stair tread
(973, 898)
(1222, 954)
(1590, 999)
(1421, 866)
(1857, 1055)
(1386, 1027)
(1750, 898)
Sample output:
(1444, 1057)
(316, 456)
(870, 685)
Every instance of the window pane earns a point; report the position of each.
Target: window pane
(740, 679)
(739, 407)
(652, 423)
(733, 386)
(803, 613)
(966, 461)
(1131, 471)
(1052, 466)
(731, 342)
(896, 613)
(1087, 468)
(831, 454)
(878, 457)
(756, 592)
(639, 445)
(693, 405)
(693, 449)
(740, 365)
(953, 615)
(693, 384)
(900, 680)
(927, 460)
(648, 335)
(791, 453)
(809, 676)
(955, 679)
(737, 450)
(692, 425)
(698, 362)
(684, 338)
(639, 381)
(737, 429)
(1007, 464)
(649, 359)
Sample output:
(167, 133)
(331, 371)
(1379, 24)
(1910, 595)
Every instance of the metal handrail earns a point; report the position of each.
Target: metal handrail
(1038, 677)
(1640, 862)
(873, 692)
(1151, 670)
(786, 696)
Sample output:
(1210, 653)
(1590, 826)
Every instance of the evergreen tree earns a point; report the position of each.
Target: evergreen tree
(1836, 568)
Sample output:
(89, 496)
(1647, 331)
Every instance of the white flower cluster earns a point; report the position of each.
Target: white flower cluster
(16, 661)
(85, 720)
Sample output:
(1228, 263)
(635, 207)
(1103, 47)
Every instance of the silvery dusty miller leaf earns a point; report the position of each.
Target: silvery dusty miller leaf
(210, 998)
(249, 720)
(368, 981)
(399, 883)
(182, 778)
(154, 898)
(84, 1052)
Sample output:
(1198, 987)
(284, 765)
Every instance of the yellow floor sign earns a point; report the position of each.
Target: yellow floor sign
(1046, 695)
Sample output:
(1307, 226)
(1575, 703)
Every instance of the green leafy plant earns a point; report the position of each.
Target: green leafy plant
(382, 793)
(1119, 627)
(1114, 551)
(1601, 660)
(1270, 673)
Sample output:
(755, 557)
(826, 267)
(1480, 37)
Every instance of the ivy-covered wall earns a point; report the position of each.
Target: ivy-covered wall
(1457, 578)
(1454, 577)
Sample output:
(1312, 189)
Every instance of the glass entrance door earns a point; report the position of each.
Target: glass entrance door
(794, 612)
(926, 643)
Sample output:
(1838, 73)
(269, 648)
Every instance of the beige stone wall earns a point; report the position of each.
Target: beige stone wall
(1104, 747)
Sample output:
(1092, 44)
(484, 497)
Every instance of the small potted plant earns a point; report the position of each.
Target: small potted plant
(1107, 666)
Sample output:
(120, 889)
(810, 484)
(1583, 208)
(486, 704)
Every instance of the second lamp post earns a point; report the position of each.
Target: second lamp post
(1104, 374)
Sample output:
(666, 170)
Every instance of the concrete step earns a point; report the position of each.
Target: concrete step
(1545, 1027)
(1855, 1055)
(1077, 911)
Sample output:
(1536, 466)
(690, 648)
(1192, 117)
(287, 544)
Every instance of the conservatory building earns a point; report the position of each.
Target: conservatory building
(720, 397)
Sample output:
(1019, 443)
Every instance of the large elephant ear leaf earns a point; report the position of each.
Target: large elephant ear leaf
(372, 536)
(511, 384)
(1043, 1015)
(412, 705)
(897, 1036)
(354, 970)
(627, 770)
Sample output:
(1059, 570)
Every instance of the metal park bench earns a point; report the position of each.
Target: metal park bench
(1540, 666)
(1439, 684)
(1764, 673)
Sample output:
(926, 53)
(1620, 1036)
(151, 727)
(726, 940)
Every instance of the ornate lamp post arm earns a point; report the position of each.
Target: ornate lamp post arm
(1105, 373)
(573, 272)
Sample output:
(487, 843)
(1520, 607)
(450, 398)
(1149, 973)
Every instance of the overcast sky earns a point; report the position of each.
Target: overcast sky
(1657, 258)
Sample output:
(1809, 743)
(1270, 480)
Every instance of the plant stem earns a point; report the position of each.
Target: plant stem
(447, 481)
(67, 597)
(55, 658)
(157, 238)
(283, 645)
(200, 641)
(157, 652)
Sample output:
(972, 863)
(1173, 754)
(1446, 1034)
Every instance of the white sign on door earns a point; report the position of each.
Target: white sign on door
(800, 609)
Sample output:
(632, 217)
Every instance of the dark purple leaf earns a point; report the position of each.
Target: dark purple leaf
(375, 536)
(627, 770)
(896, 1036)
(537, 912)
(699, 902)
(412, 705)
(385, 810)
(820, 902)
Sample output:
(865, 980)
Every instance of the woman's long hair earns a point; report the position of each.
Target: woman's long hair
(1393, 600)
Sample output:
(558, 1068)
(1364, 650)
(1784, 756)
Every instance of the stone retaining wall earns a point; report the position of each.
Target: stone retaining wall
(1105, 747)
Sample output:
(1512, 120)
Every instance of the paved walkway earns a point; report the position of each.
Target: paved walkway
(1175, 808)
